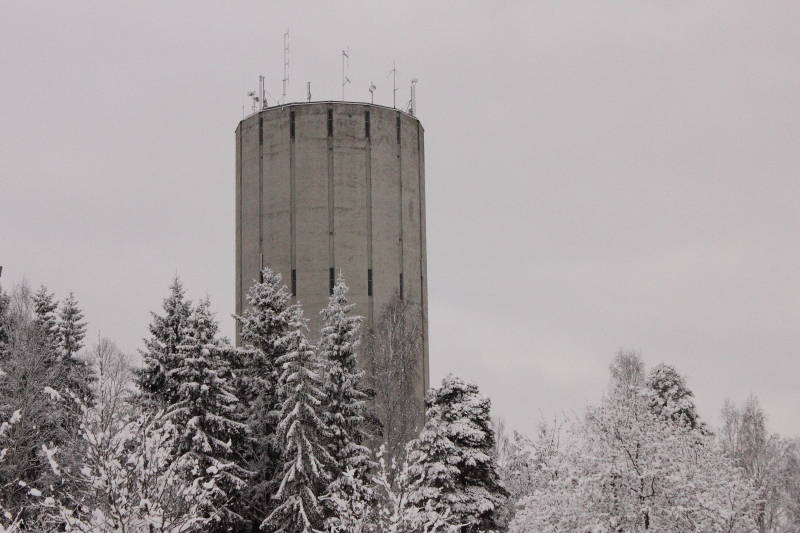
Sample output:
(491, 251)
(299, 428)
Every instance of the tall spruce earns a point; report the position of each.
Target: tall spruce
(452, 460)
(343, 410)
(206, 409)
(267, 328)
(161, 354)
(71, 330)
(45, 317)
(304, 469)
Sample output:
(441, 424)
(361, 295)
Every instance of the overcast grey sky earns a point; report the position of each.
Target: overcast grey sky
(599, 175)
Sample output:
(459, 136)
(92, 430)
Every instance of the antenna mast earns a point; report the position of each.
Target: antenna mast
(285, 65)
(413, 97)
(394, 74)
(345, 79)
(262, 91)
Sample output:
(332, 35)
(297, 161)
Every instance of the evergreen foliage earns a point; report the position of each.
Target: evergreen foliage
(5, 320)
(345, 396)
(71, 330)
(304, 470)
(46, 319)
(670, 398)
(161, 354)
(453, 460)
(266, 331)
(344, 407)
(206, 410)
(31, 366)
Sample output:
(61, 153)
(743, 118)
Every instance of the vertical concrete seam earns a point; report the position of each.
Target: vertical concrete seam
(239, 252)
(331, 244)
(292, 212)
(260, 188)
(400, 197)
(368, 165)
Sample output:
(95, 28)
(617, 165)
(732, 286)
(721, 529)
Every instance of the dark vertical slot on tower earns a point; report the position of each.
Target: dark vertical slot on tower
(401, 285)
(294, 282)
(291, 125)
(260, 131)
(330, 122)
(398, 129)
(366, 124)
(332, 278)
(369, 282)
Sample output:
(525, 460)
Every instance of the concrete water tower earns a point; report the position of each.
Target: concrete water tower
(329, 187)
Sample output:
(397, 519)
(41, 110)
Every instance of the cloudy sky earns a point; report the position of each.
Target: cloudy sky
(599, 175)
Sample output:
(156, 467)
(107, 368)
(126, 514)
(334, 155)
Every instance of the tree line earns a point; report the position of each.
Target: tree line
(290, 434)
(285, 434)
(643, 460)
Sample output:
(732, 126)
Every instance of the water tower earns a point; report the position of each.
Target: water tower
(330, 187)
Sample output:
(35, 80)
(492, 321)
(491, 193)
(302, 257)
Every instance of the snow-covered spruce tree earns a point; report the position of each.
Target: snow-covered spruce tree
(266, 331)
(343, 409)
(304, 469)
(452, 458)
(71, 330)
(206, 409)
(670, 398)
(46, 318)
(5, 320)
(161, 354)
(31, 363)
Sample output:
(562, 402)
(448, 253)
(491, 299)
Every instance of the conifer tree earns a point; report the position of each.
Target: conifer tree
(46, 319)
(452, 460)
(5, 320)
(266, 331)
(161, 354)
(304, 469)
(71, 330)
(344, 406)
(670, 398)
(206, 408)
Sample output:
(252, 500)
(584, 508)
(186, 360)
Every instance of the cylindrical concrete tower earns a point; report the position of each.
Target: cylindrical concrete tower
(329, 187)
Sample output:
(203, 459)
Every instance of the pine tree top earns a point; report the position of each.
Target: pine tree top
(269, 316)
(44, 306)
(71, 330)
(161, 353)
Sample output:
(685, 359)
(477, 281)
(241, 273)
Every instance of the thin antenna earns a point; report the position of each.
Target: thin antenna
(345, 79)
(413, 96)
(309, 91)
(285, 65)
(394, 73)
(262, 91)
(372, 91)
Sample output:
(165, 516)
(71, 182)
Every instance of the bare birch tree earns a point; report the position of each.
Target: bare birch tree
(393, 350)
